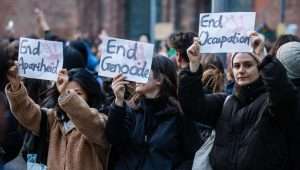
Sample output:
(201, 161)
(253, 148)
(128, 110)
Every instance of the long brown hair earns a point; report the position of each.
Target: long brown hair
(163, 69)
(213, 77)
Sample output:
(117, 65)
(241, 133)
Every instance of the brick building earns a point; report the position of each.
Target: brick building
(268, 11)
(129, 18)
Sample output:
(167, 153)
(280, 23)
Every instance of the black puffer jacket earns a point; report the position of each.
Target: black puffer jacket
(145, 139)
(244, 139)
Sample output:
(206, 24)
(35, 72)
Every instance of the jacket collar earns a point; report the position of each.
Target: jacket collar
(248, 93)
(158, 106)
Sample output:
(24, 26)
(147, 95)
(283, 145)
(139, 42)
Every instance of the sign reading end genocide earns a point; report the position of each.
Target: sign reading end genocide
(130, 58)
(40, 59)
(226, 32)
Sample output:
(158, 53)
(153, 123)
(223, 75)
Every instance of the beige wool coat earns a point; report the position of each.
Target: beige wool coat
(84, 147)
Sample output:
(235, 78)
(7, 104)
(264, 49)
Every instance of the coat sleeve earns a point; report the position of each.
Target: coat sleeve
(196, 105)
(87, 120)
(120, 124)
(282, 93)
(24, 109)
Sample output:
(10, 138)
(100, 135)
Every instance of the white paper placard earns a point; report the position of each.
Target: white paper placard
(131, 58)
(226, 32)
(40, 59)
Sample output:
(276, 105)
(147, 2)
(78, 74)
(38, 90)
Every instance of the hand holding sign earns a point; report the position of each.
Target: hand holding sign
(194, 55)
(62, 80)
(14, 78)
(118, 87)
(258, 44)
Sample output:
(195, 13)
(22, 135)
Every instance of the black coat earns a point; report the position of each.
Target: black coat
(244, 139)
(147, 138)
(293, 133)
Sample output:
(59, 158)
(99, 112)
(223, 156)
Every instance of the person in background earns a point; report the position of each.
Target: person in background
(282, 40)
(11, 136)
(144, 37)
(213, 74)
(289, 55)
(195, 133)
(180, 42)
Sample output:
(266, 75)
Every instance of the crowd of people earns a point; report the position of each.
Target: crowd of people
(87, 122)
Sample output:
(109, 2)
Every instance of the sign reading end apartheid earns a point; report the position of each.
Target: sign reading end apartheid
(40, 59)
(226, 32)
(130, 58)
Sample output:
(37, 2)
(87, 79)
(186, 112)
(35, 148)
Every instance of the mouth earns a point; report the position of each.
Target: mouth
(242, 78)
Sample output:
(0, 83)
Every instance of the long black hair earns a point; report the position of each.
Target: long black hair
(165, 70)
(87, 81)
(89, 84)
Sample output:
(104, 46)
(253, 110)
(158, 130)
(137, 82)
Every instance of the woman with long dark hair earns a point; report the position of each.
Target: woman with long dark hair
(76, 128)
(147, 137)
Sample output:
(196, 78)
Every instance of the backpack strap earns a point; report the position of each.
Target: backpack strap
(42, 146)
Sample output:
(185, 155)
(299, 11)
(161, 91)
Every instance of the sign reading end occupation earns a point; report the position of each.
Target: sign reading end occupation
(130, 58)
(226, 32)
(40, 59)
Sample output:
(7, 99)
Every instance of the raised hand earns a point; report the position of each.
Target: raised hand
(258, 44)
(194, 55)
(118, 87)
(41, 20)
(62, 80)
(13, 77)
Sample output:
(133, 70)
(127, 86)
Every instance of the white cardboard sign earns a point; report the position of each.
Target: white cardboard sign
(40, 59)
(226, 32)
(131, 58)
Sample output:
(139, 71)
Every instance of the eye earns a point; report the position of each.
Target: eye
(236, 66)
(78, 92)
(248, 64)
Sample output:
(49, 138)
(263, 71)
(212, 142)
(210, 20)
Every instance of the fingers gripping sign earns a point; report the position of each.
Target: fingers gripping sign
(118, 87)
(258, 44)
(194, 55)
(62, 80)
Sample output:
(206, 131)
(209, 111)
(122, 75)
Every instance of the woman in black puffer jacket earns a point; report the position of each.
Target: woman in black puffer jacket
(250, 125)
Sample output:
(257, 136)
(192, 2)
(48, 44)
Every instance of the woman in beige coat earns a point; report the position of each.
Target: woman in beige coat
(76, 130)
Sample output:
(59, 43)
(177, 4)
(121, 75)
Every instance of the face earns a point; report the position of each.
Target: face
(244, 69)
(150, 89)
(143, 38)
(179, 61)
(76, 87)
(99, 51)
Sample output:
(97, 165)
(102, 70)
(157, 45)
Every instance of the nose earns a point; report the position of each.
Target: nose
(241, 69)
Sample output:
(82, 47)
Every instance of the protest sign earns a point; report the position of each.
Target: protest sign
(40, 59)
(226, 32)
(132, 59)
